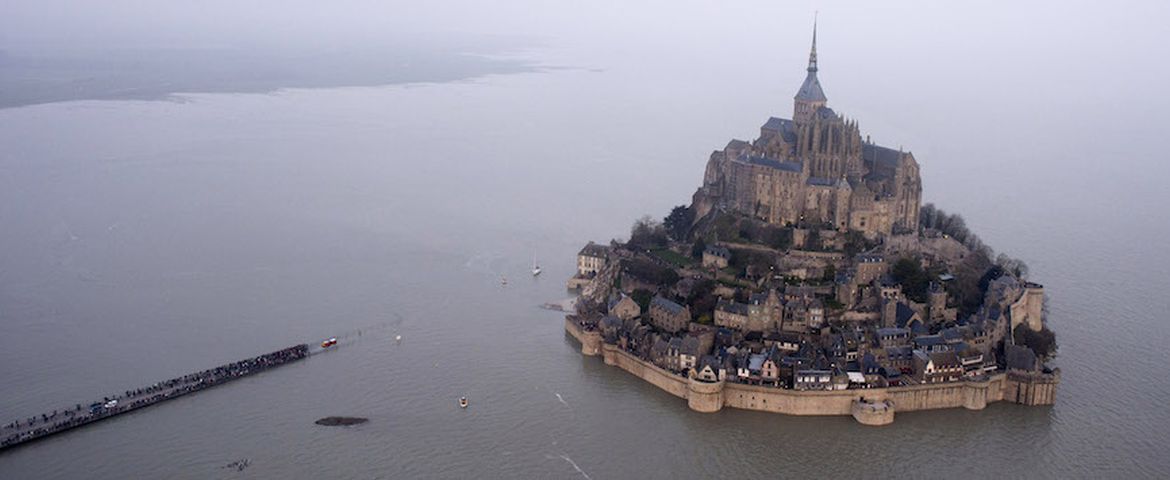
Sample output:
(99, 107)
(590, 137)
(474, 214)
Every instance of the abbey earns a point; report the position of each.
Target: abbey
(814, 169)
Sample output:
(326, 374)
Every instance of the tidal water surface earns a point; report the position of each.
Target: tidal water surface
(142, 240)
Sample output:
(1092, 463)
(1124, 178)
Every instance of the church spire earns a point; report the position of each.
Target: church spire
(812, 54)
(810, 97)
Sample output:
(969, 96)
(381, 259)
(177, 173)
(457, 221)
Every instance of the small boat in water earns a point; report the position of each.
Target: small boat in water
(329, 343)
(462, 402)
(503, 280)
(535, 270)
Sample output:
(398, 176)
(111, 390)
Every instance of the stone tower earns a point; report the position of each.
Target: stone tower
(810, 97)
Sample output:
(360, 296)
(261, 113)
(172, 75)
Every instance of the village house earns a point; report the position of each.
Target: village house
(709, 369)
(972, 362)
(812, 380)
(668, 316)
(731, 314)
(869, 268)
(624, 308)
(893, 337)
(765, 312)
(716, 257)
(688, 353)
(591, 259)
(936, 367)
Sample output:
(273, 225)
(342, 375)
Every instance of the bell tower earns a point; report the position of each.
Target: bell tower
(810, 97)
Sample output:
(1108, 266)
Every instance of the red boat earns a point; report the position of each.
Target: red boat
(329, 343)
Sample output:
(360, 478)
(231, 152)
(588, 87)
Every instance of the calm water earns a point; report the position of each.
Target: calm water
(144, 240)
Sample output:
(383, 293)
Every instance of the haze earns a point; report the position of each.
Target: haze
(184, 184)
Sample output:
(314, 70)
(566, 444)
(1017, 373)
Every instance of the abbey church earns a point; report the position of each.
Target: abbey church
(814, 169)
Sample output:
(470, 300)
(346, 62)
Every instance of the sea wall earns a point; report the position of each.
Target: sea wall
(875, 406)
(590, 341)
(1031, 388)
(673, 384)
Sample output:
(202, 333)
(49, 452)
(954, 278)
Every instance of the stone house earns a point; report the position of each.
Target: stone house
(808, 379)
(611, 328)
(937, 367)
(893, 337)
(669, 316)
(660, 354)
(742, 372)
(931, 344)
(591, 259)
(770, 370)
(900, 358)
(688, 352)
(709, 369)
(716, 256)
(731, 314)
(869, 268)
(765, 312)
(802, 314)
(673, 347)
(624, 308)
(972, 362)
(845, 289)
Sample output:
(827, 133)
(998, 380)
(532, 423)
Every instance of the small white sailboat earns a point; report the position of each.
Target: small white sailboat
(398, 338)
(462, 402)
(503, 280)
(535, 266)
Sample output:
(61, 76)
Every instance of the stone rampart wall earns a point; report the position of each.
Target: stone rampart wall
(711, 397)
(673, 384)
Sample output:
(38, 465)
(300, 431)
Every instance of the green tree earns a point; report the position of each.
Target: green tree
(830, 274)
(914, 280)
(1042, 343)
(647, 233)
(678, 223)
(698, 248)
(642, 298)
(777, 237)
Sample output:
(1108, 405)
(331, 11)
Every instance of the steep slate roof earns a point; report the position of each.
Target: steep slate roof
(659, 349)
(811, 90)
(718, 251)
(1020, 358)
(736, 144)
(732, 307)
(690, 346)
(945, 360)
(893, 332)
(594, 250)
(756, 362)
(882, 156)
(709, 361)
(928, 340)
(668, 305)
(783, 126)
(903, 314)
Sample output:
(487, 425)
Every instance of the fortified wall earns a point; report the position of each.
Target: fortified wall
(875, 406)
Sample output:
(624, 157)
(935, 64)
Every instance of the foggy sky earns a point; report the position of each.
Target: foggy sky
(962, 84)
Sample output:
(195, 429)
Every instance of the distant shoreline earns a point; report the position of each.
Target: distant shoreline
(30, 78)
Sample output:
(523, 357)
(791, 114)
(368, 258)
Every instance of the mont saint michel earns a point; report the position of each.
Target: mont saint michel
(807, 278)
